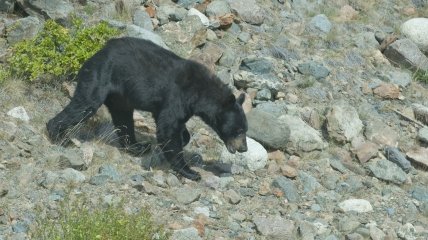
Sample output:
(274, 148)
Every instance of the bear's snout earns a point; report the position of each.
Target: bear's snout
(237, 144)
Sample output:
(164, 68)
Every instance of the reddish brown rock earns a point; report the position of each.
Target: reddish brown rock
(347, 13)
(419, 156)
(277, 156)
(288, 171)
(387, 91)
(366, 151)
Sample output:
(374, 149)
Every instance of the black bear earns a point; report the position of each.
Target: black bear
(130, 73)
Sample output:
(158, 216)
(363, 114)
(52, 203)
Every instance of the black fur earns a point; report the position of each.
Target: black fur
(130, 73)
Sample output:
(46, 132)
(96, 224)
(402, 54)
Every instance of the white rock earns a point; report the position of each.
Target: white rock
(202, 210)
(357, 205)
(20, 113)
(417, 30)
(195, 12)
(343, 122)
(255, 158)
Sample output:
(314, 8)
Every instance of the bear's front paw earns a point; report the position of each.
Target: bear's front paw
(138, 149)
(188, 173)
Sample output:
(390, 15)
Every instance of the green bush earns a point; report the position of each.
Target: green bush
(78, 222)
(421, 76)
(4, 73)
(58, 51)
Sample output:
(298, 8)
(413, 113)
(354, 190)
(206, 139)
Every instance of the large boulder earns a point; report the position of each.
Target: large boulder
(416, 29)
(53, 9)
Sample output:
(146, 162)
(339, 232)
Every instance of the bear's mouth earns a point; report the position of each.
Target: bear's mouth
(230, 148)
(237, 144)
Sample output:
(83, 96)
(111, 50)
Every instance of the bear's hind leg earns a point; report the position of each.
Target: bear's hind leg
(122, 115)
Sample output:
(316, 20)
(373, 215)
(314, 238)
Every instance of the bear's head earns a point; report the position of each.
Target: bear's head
(232, 124)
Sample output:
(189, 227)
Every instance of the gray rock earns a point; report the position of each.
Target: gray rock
(188, 3)
(257, 66)
(416, 29)
(20, 227)
(423, 207)
(347, 224)
(247, 191)
(53, 9)
(267, 129)
(142, 19)
(420, 193)
(336, 164)
(381, 133)
(72, 176)
(255, 158)
(110, 171)
(232, 196)
(423, 134)
(217, 8)
(21, 29)
(277, 108)
(264, 95)
(8, 130)
(343, 122)
(405, 53)
(72, 158)
(376, 233)
(420, 112)
(394, 155)
(248, 10)
(99, 179)
(366, 41)
(186, 195)
(244, 37)
(388, 171)
(225, 76)
(172, 180)
(274, 227)
(184, 36)
(49, 179)
(228, 58)
(356, 205)
(186, 234)
(313, 69)
(245, 79)
(309, 183)
(407, 232)
(320, 24)
(166, 13)
(19, 113)
(288, 187)
(302, 137)
(139, 32)
(399, 77)
(307, 230)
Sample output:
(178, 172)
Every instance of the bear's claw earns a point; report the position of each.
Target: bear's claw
(188, 173)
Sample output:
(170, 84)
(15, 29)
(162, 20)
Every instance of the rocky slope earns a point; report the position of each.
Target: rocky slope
(338, 139)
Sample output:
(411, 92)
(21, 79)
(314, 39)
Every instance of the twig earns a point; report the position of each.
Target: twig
(408, 118)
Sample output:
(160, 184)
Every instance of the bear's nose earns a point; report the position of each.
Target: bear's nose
(243, 148)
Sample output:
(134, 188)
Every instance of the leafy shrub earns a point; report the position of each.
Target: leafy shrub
(77, 221)
(421, 76)
(4, 73)
(58, 51)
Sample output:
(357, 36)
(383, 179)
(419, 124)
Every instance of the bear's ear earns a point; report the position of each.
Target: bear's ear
(241, 99)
